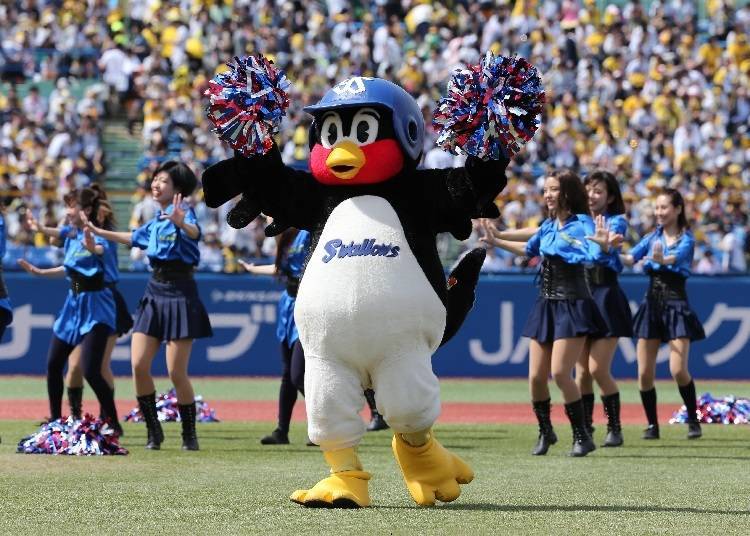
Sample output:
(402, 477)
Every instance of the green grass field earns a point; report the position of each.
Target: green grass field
(451, 390)
(235, 485)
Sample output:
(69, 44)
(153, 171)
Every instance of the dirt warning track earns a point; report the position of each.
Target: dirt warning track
(265, 410)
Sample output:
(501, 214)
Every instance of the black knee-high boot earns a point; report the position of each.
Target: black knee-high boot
(377, 422)
(93, 346)
(57, 358)
(287, 399)
(147, 403)
(687, 392)
(588, 412)
(189, 436)
(75, 400)
(582, 443)
(103, 416)
(611, 405)
(102, 410)
(547, 436)
(648, 399)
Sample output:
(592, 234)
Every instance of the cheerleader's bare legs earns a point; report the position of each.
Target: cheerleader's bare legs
(178, 357)
(647, 350)
(595, 364)
(144, 348)
(558, 360)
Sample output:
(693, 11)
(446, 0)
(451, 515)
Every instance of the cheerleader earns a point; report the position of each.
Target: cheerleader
(377, 421)
(87, 317)
(74, 377)
(6, 309)
(665, 315)
(606, 204)
(291, 250)
(170, 309)
(564, 314)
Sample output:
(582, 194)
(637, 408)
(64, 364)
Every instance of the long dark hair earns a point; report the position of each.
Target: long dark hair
(183, 178)
(573, 196)
(92, 197)
(617, 205)
(677, 201)
(282, 247)
(108, 220)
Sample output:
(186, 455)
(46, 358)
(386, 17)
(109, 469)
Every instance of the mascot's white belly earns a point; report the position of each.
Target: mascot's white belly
(363, 295)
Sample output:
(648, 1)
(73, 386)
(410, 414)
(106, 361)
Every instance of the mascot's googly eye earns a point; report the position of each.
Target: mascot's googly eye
(331, 130)
(365, 126)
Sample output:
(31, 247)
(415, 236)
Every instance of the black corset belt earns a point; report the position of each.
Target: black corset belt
(563, 281)
(665, 286)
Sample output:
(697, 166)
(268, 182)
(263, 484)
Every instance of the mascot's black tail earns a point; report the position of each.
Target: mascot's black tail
(462, 284)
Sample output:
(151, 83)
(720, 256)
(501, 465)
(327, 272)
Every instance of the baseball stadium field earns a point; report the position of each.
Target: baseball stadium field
(236, 485)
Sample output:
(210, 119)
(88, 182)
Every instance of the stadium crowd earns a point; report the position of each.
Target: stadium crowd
(651, 90)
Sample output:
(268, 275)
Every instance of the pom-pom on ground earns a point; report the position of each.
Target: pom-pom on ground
(247, 102)
(725, 410)
(491, 109)
(168, 411)
(85, 437)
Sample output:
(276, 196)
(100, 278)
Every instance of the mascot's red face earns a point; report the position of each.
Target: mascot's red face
(355, 146)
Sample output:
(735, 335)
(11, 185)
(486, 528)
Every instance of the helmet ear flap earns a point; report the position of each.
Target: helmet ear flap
(412, 131)
(414, 137)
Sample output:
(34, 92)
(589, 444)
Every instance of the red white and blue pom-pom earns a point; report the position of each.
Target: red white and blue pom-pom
(247, 102)
(491, 109)
(725, 410)
(168, 411)
(85, 437)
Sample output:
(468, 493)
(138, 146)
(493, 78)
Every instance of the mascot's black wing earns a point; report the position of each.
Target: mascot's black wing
(461, 194)
(456, 197)
(290, 196)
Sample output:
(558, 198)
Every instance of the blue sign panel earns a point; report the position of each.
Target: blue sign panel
(489, 343)
(243, 315)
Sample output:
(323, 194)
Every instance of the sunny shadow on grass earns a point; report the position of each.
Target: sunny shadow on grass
(235, 485)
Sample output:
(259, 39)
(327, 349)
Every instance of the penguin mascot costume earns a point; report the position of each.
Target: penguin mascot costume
(373, 305)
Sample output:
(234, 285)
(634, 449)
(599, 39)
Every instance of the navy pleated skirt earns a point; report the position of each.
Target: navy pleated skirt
(171, 311)
(563, 319)
(615, 310)
(122, 316)
(667, 320)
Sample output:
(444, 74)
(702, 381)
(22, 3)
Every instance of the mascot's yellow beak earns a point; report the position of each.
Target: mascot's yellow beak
(345, 160)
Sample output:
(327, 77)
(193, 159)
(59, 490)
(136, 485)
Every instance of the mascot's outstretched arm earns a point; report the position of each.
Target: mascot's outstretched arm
(461, 194)
(246, 104)
(266, 185)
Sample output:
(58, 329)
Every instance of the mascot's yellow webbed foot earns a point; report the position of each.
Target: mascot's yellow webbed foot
(347, 487)
(340, 490)
(431, 471)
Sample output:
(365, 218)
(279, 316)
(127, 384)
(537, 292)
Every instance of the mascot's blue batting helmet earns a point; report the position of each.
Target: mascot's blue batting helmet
(359, 91)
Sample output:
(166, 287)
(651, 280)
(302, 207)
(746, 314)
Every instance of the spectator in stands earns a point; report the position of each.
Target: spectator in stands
(708, 264)
(651, 91)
